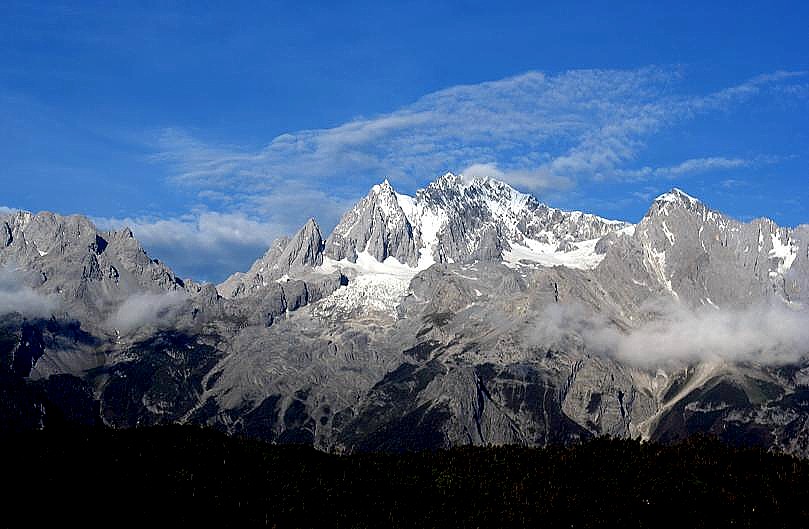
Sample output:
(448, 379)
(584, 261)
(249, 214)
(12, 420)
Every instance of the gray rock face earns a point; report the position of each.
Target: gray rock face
(376, 224)
(286, 257)
(88, 271)
(702, 257)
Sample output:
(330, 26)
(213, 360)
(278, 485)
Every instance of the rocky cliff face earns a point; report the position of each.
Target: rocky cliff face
(285, 257)
(377, 225)
(455, 219)
(468, 313)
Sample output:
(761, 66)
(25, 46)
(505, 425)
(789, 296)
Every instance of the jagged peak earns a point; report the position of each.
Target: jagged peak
(311, 223)
(447, 180)
(678, 196)
(482, 187)
(384, 187)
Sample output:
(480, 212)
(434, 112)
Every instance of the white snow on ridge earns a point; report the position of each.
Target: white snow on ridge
(786, 253)
(584, 257)
(372, 286)
(427, 223)
(677, 195)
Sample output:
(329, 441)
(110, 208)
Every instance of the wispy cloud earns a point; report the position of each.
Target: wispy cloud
(533, 179)
(686, 168)
(538, 131)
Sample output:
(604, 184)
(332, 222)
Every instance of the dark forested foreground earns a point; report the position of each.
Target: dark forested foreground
(182, 475)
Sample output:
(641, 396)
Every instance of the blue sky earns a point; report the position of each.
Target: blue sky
(212, 130)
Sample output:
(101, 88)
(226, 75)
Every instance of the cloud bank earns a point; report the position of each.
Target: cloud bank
(206, 246)
(16, 296)
(141, 310)
(677, 336)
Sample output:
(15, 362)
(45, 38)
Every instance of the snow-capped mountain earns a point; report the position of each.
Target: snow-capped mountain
(457, 220)
(707, 258)
(387, 238)
(468, 313)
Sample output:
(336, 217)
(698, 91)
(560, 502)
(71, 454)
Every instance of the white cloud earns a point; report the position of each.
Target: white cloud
(204, 245)
(541, 131)
(686, 168)
(142, 310)
(678, 336)
(16, 296)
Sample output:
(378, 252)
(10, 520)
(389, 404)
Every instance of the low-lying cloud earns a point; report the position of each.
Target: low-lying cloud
(17, 296)
(141, 310)
(772, 334)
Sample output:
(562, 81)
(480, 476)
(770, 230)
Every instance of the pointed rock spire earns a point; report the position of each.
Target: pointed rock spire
(285, 257)
(378, 225)
(304, 249)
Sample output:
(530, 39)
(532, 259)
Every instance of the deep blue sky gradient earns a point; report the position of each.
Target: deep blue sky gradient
(87, 91)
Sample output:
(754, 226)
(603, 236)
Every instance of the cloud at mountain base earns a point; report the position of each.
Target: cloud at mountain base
(16, 296)
(141, 310)
(766, 334)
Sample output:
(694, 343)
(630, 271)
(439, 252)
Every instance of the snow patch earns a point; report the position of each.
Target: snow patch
(785, 253)
(584, 257)
(372, 286)
(667, 232)
(366, 294)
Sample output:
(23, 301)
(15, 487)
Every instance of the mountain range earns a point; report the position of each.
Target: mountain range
(469, 313)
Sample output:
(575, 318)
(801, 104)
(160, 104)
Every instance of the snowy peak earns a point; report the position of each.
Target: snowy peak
(386, 238)
(677, 196)
(457, 219)
(451, 188)
(383, 188)
(377, 224)
(676, 199)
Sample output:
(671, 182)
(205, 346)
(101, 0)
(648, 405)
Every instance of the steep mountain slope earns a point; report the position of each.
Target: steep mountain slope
(468, 313)
(704, 257)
